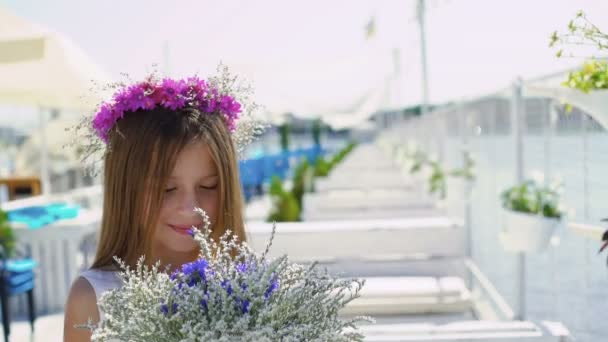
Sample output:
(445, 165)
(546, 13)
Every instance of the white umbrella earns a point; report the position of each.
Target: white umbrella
(61, 157)
(39, 67)
(42, 68)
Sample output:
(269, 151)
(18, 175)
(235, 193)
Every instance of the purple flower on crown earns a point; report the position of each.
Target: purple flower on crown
(121, 100)
(197, 89)
(229, 106)
(170, 94)
(136, 97)
(105, 118)
(174, 93)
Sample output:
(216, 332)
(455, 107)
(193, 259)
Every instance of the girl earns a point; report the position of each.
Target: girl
(168, 150)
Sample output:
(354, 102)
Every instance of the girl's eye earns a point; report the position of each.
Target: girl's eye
(209, 187)
(169, 190)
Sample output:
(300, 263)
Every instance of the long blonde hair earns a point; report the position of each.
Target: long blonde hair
(142, 150)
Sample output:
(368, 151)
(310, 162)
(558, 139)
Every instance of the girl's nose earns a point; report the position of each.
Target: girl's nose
(188, 203)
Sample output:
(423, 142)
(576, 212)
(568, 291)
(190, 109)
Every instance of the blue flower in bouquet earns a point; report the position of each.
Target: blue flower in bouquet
(243, 304)
(244, 268)
(204, 301)
(274, 284)
(165, 309)
(195, 272)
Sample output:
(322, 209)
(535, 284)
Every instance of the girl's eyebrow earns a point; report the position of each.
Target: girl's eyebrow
(204, 177)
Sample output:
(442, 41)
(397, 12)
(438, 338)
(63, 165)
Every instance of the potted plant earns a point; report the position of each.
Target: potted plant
(532, 213)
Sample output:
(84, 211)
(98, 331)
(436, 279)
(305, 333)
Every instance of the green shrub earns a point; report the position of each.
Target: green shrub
(7, 235)
(285, 206)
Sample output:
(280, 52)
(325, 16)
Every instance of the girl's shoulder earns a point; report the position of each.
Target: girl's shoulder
(101, 279)
(81, 306)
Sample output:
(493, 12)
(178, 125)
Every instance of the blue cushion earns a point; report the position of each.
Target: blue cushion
(40, 216)
(20, 275)
(21, 288)
(251, 172)
(16, 279)
(19, 265)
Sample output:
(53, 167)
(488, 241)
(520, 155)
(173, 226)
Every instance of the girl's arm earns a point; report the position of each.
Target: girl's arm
(80, 306)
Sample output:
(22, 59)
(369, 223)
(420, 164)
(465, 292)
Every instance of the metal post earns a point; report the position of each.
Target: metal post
(44, 155)
(440, 127)
(548, 132)
(464, 124)
(425, 85)
(517, 114)
(584, 127)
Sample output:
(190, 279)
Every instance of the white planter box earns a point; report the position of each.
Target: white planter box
(525, 232)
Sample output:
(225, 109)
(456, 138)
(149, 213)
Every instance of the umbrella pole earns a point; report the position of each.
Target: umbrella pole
(44, 154)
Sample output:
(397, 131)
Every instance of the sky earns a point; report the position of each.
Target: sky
(314, 56)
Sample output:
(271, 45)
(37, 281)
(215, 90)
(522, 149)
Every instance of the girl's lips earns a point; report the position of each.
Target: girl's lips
(184, 230)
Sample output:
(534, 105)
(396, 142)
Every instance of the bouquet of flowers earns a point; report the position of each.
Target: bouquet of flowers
(230, 293)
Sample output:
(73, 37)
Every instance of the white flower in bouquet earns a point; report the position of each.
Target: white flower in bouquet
(229, 294)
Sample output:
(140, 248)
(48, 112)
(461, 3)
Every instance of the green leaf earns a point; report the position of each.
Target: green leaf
(553, 39)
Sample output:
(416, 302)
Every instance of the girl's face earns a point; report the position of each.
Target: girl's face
(194, 183)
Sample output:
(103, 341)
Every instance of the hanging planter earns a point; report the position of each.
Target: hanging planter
(527, 232)
(532, 215)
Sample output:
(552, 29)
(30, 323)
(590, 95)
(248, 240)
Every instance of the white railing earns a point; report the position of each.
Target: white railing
(513, 136)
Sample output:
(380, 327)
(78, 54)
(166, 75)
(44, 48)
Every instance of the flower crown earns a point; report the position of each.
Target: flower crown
(218, 95)
(170, 94)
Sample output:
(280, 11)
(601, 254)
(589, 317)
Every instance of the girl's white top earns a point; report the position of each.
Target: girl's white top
(102, 281)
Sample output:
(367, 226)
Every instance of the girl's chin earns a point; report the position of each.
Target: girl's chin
(180, 243)
(181, 248)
